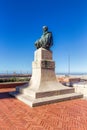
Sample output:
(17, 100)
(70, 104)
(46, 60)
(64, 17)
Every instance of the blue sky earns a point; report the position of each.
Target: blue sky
(21, 24)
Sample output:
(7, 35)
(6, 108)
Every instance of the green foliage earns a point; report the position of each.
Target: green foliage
(14, 79)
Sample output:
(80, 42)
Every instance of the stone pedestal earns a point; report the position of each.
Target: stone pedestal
(43, 87)
(43, 69)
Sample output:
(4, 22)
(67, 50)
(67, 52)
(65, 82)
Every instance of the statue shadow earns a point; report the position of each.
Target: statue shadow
(5, 95)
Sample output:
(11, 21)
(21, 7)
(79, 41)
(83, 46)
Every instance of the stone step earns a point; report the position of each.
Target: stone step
(41, 94)
(54, 92)
(58, 98)
(45, 100)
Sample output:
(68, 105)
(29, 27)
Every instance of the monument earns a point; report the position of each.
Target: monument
(43, 87)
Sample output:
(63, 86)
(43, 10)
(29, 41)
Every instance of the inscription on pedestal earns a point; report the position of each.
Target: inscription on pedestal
(47, 55)
(47, 64)
(44, 64)
(43, 54)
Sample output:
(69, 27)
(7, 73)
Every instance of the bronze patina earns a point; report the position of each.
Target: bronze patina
(46, 40)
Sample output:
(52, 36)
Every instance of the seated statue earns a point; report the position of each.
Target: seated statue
(46, 40)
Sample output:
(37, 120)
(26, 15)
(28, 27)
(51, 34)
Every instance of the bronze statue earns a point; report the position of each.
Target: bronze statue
(46, 40)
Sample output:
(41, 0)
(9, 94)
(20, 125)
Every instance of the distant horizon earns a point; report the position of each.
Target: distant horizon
(66, 73)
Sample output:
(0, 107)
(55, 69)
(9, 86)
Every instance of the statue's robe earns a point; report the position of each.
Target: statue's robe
(46, 41)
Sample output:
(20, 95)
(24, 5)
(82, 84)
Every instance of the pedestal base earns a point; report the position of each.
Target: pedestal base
(43, 87)
(34, 99)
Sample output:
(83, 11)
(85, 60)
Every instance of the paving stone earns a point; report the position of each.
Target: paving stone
(67, 115)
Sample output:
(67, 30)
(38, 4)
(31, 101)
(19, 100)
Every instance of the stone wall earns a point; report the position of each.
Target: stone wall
(12, 84)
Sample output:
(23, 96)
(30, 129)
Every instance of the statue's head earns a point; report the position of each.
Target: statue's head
(45, 28)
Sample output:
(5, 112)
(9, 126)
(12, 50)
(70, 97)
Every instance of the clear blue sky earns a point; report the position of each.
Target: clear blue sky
(21, 24)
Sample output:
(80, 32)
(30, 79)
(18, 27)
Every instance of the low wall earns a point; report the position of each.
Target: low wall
(81, 88)
(11, 84)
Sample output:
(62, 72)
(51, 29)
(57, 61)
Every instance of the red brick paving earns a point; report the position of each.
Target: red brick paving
(15, 115)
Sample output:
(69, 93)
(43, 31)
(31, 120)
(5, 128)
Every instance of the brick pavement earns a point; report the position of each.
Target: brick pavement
(15, 115)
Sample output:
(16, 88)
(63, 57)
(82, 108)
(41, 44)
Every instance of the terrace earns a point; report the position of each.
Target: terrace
(67, 115)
